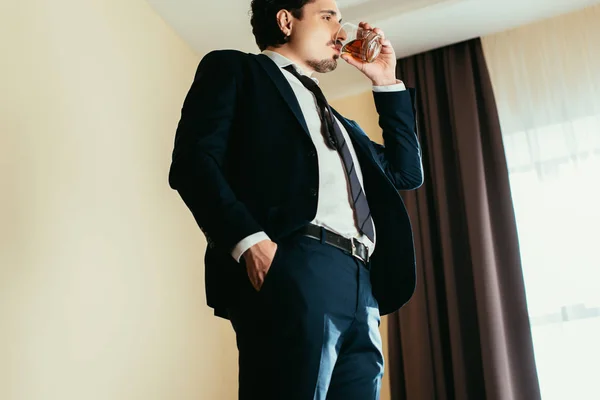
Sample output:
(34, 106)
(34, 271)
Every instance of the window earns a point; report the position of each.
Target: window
(555, 181)
(546, 79)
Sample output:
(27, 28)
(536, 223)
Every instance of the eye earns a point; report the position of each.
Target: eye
(327, 17)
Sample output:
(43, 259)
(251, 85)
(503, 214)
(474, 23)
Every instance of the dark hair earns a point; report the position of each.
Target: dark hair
(264, 20)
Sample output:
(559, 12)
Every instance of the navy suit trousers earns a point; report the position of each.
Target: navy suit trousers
(312, 331)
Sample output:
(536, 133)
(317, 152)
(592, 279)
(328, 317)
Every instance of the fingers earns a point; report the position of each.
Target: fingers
(257, 280)
(386, 46)
(254, 280)
(352, 61)
(366, 26)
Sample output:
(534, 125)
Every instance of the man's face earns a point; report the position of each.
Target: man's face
(313, 36)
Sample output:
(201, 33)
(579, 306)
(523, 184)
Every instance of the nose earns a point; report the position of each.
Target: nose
(341, 35)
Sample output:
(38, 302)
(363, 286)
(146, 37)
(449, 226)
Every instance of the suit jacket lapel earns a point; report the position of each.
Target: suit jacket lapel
(284, 88)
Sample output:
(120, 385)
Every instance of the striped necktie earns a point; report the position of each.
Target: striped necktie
(335, 140)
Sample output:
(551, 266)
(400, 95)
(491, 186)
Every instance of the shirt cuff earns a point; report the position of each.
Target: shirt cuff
(398, 87)
(246, 243)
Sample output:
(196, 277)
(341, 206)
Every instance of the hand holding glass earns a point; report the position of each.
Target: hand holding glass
(363, 44)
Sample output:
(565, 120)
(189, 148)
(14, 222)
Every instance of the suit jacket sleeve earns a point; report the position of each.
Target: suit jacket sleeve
(200, 152)
(400, 155)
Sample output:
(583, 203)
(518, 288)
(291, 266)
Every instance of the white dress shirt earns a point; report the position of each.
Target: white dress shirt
(334, 207)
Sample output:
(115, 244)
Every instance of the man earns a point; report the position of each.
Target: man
(297, 259)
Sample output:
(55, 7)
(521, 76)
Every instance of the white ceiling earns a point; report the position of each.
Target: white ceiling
(413, 26)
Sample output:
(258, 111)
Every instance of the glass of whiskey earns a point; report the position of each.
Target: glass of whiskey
(360, 43)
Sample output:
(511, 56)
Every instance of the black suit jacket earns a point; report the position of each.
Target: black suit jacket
(244, 162)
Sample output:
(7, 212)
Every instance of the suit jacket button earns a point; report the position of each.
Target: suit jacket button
(312, 153)
(313, 192)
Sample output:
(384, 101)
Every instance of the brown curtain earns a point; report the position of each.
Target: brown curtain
(465, 334)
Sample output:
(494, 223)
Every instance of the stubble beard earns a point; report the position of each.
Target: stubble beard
(323, 66)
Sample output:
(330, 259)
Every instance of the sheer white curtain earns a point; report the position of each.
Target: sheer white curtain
(546, 79)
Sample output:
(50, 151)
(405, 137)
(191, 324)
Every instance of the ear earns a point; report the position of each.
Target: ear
(284, 20)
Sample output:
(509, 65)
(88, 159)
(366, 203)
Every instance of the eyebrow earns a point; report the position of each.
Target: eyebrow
(330, 12)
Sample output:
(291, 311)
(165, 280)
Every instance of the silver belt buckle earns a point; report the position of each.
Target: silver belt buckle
(354, 252)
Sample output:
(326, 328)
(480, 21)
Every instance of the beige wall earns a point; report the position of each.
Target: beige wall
(361, 108)
(101, 275)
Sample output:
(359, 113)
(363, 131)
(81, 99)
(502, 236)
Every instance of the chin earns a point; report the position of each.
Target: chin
(324, 66)
(334, 63)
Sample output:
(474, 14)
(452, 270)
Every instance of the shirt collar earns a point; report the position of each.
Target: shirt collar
(282, 62)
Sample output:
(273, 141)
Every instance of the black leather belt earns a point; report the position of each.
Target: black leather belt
(350, 246)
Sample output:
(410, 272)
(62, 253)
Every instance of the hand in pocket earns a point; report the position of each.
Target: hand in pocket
(259, 259)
